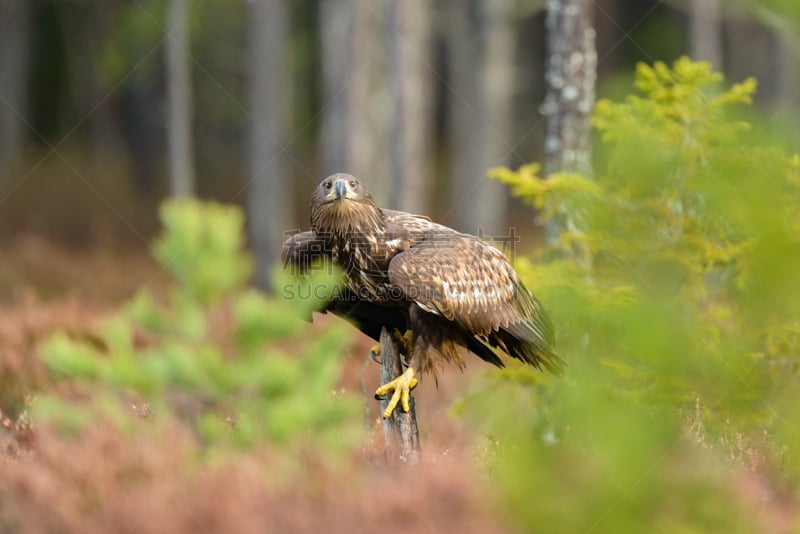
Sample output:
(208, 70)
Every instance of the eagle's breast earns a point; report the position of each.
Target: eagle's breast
(365, 258)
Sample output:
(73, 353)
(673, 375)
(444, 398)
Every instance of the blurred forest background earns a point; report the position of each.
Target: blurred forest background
(147, 383)
(109, 107)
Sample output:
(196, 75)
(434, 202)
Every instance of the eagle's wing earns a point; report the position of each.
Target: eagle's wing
(401, 222)
(472, 283)
(464, 279)
(300, 250)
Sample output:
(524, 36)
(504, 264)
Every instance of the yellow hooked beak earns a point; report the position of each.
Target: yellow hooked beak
(340, 190)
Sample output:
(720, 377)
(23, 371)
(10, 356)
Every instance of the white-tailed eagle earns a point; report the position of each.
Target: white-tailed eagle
(445, 289)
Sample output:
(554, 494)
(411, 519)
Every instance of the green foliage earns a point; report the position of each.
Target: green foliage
(235, 365)
(201, 247)
(674, 292)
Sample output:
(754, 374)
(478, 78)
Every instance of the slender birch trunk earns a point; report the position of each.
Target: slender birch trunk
(268, 102)
(179, 102)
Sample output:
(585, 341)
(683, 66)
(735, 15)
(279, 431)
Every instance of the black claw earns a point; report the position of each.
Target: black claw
(375, 357)
(380, 397)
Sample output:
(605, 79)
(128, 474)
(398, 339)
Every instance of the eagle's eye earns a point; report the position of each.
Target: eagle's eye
(327, 185)
(353, 183)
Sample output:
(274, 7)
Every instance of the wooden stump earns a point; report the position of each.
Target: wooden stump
(400, 429)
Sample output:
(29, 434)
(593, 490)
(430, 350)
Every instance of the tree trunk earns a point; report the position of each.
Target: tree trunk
(400, 430)
(354, 111)
(751, 51)
(367, 94)
(410, 139)
(788, 61)
(480, 85)
(462, 124)
(336, 33)
(570, 80)
(705, 28)
(497, 92)
(268, 102)
(14, 63)
(179, 87)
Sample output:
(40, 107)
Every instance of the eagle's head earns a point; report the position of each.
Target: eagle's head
(339, 188)
(341, 203)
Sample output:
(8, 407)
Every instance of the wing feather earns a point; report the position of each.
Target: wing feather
(472, 283)
(466, 280)
(302, 249)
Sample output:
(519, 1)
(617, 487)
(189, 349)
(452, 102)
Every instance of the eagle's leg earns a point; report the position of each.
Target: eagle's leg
(406, 341)
(402, 386)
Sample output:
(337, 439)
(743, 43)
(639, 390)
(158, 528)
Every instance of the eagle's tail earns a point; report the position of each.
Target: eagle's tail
(525, 343)
(483, 352)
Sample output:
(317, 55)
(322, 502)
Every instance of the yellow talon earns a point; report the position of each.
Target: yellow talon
(375, 352)
(402, 386)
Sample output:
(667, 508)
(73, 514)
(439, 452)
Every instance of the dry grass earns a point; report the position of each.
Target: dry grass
(107, 482)
(38, 269)
(46, 287)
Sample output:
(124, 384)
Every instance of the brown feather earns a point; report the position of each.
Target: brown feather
(456, 289)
